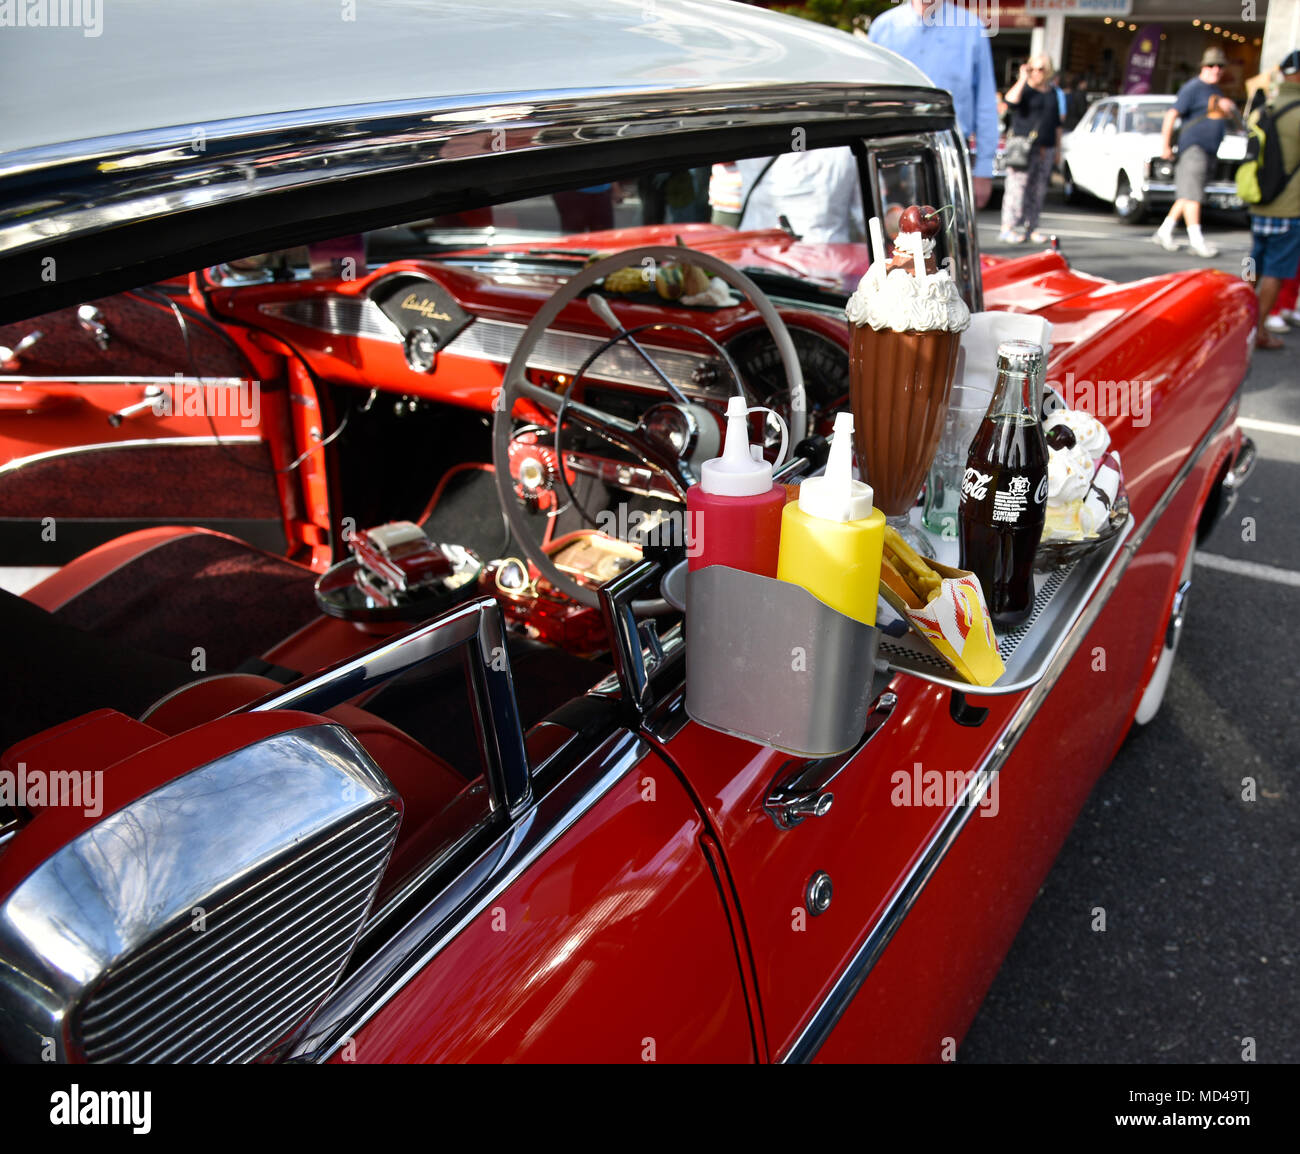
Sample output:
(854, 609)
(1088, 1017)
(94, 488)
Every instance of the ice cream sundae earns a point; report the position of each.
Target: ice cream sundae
(1082, 477)
(907, 317)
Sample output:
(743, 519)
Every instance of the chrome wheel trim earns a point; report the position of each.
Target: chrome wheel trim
(1154, 694)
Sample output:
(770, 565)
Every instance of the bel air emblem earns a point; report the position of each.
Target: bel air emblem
(426, 308)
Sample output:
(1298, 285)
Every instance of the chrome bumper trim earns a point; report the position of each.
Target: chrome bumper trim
(1243, 464)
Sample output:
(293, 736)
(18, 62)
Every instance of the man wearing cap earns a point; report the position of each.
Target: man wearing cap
(1275, 226)
(1204, 110)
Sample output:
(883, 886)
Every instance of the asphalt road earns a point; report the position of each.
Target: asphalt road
(1200, 886)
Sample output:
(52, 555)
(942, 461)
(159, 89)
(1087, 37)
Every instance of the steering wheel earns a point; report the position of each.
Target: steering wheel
(622, 433)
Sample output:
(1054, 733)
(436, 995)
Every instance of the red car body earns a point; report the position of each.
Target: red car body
(627, 895)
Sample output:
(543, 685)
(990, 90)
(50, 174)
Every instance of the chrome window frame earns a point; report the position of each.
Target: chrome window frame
(949, 168)
(479, 627)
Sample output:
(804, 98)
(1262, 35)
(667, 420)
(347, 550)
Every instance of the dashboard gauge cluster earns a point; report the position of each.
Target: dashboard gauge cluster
(825, 367)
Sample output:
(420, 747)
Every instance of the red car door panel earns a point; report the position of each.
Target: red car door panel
(120, 420)
(614, 946)
(865, 843)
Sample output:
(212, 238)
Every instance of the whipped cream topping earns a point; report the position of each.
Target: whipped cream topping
(1090, 434)
(904, 304)
(1069, 473)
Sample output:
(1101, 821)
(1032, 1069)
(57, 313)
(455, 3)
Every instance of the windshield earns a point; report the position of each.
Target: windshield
(1148, 117)
(795, 221)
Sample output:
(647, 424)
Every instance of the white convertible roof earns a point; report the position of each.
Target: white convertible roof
(123, 66)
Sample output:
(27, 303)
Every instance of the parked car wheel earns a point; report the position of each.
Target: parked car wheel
(1154, 694)
(1069, 190)
(1129, 205)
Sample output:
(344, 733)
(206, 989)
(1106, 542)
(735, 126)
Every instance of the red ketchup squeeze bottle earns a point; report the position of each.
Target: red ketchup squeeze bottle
(734, 513)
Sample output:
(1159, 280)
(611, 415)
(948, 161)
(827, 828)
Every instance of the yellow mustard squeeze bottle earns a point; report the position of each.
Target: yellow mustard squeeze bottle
(832, 538)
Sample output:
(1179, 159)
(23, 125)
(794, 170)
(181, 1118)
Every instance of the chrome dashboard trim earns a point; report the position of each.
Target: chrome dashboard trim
(818, 1028)
(341, 316)
(560, 351)
(138, 443)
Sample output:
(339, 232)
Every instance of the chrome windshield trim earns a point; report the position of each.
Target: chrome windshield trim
(951, 169)
(824, 1018)
(138, 443)
(472, 892)
(478, 626)
(62, 191)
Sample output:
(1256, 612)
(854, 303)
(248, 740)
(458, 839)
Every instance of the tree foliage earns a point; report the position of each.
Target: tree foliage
(843, 14)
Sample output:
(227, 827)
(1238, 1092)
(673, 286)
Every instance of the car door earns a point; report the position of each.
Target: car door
(1104, 162)
(127, 412)
(576, 910)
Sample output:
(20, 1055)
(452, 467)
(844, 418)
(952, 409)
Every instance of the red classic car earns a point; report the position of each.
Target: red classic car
(252, 811)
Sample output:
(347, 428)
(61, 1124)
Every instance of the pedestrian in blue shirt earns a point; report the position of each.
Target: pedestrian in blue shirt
(1204, 111)
(951, 46)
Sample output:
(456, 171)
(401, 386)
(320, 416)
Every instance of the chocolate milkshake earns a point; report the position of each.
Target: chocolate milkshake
(903, 352)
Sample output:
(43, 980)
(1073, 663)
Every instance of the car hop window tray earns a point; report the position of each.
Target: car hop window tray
(1059, 597)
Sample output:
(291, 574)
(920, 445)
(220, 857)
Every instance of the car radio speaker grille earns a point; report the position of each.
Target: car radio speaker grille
(207, 920)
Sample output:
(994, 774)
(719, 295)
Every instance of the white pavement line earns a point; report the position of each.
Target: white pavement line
(1249, 569)
(1269, 426)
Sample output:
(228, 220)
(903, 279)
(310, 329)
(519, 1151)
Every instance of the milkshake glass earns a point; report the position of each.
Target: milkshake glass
(902, 357)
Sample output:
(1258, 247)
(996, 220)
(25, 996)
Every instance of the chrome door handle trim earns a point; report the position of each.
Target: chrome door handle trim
(92, 321)
(801, 788)
(9, 358)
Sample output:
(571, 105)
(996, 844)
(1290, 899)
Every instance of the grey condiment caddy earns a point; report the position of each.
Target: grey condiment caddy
(768, 662)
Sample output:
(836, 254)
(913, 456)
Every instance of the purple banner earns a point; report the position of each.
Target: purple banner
(1141, 60)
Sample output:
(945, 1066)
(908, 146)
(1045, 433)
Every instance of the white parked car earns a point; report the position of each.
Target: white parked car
(1114, 155)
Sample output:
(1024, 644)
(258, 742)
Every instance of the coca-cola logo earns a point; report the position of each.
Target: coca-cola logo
(975, 484)
(1040, 494)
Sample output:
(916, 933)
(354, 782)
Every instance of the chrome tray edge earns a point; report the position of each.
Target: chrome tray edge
(1055, 611)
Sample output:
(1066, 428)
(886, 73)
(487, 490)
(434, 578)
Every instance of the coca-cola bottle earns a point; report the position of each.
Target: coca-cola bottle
(1004, 489)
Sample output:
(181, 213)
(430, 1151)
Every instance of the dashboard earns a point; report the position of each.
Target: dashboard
(445, 331)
